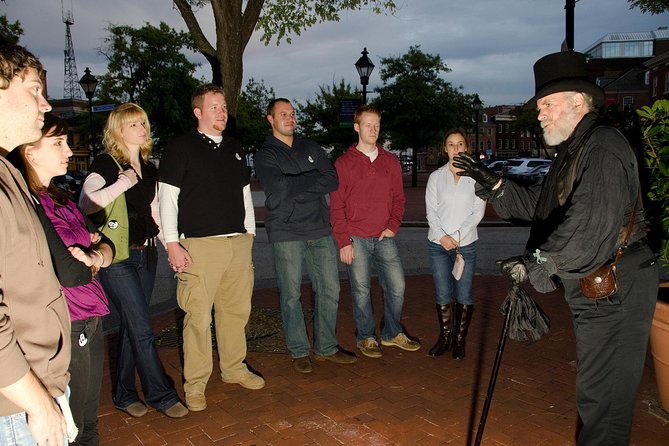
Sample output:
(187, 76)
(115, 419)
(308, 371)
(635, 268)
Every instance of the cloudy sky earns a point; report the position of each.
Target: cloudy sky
(490, 45)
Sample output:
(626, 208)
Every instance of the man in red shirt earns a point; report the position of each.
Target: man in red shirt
(366, 212)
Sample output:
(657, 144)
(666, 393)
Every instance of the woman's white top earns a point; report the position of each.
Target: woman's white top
(452, 208)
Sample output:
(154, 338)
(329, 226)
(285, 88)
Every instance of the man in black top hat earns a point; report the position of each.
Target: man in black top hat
(579, 217)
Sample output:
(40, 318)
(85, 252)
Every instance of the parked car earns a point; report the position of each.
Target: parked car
(521, 166)
(538, 173)
(497, 166)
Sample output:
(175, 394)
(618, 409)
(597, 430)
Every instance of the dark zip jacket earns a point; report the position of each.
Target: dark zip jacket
(296, 181)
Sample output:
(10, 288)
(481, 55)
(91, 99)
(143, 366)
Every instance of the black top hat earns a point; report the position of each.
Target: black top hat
(563, 71)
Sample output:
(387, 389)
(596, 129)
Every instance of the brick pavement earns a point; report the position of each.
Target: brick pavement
(401, 399)
(404, 398)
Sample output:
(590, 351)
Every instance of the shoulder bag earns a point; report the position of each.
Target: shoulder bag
(115, 225)
(603, 282)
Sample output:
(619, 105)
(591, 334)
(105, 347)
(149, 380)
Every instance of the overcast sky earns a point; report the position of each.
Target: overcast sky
(490, 45)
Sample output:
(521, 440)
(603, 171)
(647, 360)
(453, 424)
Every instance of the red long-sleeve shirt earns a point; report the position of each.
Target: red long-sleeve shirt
(370, 197)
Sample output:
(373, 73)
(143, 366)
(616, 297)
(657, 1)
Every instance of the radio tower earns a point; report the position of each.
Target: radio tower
(71, 88)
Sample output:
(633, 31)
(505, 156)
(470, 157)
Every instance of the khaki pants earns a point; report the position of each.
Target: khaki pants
(221, 277)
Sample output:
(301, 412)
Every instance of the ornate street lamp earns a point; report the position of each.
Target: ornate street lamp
(365, 68)
(476, 105)
(89, 83)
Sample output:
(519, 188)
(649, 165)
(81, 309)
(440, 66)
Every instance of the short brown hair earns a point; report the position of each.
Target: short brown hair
(272, 103)
(198, 94)
(357, 117)
(15, 61)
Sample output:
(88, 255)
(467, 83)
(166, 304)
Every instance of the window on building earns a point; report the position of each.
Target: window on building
(627, 49)
(654, 93)
(499, 128)
(628, 101)
(666, 83)
(484, 118)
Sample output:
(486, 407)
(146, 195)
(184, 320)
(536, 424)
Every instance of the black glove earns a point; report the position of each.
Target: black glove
(515, 270)
(477, 171)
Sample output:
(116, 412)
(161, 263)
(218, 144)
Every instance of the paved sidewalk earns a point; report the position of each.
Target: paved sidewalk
(404, 398)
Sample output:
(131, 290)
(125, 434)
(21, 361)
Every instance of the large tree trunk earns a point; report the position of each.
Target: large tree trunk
(234, 28)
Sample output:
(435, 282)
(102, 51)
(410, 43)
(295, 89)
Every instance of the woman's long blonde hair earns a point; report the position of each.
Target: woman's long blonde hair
(113, 139)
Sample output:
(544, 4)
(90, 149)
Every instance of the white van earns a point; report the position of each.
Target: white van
(521, 166)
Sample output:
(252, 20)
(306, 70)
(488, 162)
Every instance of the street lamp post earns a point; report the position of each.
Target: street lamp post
(476, 105)
(89, 83)
(364, 67)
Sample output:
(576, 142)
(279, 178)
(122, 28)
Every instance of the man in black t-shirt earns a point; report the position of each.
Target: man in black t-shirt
(209, 224)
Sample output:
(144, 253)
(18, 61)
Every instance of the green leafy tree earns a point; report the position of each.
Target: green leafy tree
(320, 119)
(417, 105)
(148, 66)
(652, 6)
(10, 33)
(252, 125)
(654, 122)
(236, 20)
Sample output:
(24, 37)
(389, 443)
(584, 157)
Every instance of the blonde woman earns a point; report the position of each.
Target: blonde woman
(124, 169)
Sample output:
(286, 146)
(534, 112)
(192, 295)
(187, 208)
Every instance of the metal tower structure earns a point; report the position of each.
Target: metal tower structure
(71, 88)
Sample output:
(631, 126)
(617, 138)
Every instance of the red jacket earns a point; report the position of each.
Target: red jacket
(370, 197)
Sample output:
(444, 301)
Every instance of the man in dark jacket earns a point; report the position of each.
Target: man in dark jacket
(296, 176)
(580, 216)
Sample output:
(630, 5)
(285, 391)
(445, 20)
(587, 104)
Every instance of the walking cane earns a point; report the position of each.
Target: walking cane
(493, 376)
(524, 319)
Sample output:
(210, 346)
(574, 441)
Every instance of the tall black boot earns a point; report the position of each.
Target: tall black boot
(445, 341)
(463, 316)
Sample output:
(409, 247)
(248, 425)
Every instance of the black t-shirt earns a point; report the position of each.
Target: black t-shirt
(138, 198)
(211, 178)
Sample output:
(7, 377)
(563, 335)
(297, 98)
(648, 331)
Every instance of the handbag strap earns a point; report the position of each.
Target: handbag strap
(628, 233)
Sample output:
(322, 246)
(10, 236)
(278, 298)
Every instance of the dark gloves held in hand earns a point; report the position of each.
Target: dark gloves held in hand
(515, 270)
(477, 171)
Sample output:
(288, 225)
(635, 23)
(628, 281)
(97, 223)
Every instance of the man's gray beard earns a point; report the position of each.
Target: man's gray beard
(563, 129)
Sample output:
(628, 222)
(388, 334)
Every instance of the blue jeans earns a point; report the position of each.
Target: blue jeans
(444, 282)
(385, 257)
(321, 259)
(129, 285)
(14, 431)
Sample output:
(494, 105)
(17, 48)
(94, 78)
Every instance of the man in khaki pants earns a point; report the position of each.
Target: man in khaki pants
(209, 224)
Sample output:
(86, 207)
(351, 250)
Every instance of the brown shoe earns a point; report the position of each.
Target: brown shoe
(196, 401)
(303, 364)
(176, 410)
(135, 410)
(338, 357)
(370, 348)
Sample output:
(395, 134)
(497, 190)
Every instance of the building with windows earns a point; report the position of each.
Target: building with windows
(617, 63)
(486, 138)
(658, 77)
